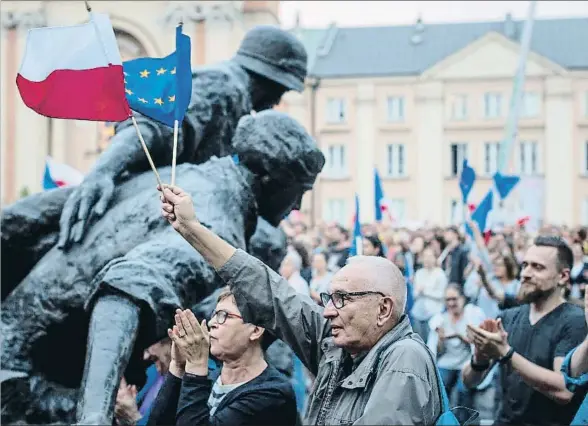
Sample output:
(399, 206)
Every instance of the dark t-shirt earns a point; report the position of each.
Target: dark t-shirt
(552, 336)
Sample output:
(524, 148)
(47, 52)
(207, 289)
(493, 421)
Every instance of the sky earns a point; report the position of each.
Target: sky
(371, 13)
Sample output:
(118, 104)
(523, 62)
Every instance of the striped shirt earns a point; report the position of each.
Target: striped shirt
(219, 391)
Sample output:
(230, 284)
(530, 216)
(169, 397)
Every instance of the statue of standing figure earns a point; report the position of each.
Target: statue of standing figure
(118, 272)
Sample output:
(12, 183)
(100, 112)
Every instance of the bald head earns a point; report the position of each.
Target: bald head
(374, 273)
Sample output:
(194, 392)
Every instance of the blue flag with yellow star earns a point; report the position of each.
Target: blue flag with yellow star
(161, 88)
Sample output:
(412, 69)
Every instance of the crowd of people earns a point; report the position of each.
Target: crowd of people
(491, 325)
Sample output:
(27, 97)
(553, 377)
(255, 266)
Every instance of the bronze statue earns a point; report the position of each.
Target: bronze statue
(269, 62)
(131, 271)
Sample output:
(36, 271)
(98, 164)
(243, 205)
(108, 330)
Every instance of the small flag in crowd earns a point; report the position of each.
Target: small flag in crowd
(505, 184)
(161, 88)
(357, 243)
(378, 195)
(74, 73)
(466, 180)
(480, 215)
(58, 175)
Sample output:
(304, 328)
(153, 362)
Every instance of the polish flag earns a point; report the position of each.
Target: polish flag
(74, 72)
(58, 175)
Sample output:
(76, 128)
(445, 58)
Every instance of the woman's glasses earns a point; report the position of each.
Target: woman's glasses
(221, 316)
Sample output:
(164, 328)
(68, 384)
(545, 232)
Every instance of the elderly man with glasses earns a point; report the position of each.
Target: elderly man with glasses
(370, 367)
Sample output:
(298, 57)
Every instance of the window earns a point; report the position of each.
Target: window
(586, 104)
(531, 105)
(395, 109)
(335, 161)
(492, 105)
(491, 150)
(455, 212)
(458, 153)
(397, 209)
(459, 107)
(336, 210)
(528, 158)
(396, 161)
(336, 110)
(585, 160)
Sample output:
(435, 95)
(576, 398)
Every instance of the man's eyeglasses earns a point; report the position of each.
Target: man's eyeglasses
(221, 316)
(339, 298)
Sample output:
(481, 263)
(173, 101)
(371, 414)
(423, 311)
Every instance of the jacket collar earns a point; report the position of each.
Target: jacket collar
(369, 364)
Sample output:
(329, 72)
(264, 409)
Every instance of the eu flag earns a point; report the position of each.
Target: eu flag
(378, 194)
(161, 88)
(466, 180)
(356, 244)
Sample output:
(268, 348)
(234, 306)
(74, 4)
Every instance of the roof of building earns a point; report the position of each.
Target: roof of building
(392, 51)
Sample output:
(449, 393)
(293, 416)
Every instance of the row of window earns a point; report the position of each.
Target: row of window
(336, 165)
(494, 107)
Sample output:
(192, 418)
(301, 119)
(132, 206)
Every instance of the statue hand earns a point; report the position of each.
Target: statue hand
(90, 199)
(177, 206)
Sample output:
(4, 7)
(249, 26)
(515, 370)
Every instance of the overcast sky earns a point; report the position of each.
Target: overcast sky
(364, 13)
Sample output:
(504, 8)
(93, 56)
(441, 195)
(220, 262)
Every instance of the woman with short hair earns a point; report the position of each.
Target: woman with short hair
(248, 391)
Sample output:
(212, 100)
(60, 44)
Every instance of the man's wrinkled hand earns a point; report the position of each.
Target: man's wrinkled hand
(176, 206)
(89, 200)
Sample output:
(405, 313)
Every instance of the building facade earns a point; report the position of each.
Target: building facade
(142, 29)
(414, 101)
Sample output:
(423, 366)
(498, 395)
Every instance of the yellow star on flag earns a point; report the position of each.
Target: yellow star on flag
(143, 100)
(125, 73)
(158, 101)
(173, 71)
(171, 98)
(144, 74)
(129, 91)
(161, 71)
(125, 81)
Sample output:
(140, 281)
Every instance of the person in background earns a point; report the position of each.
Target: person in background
(575, 372)
(429, 287)
(497, 285)
(400, 262)
(132, 407)
(305, 270)
(454, 257)
(290, 270)
(448, 341)
(578, 273)
(372, 246)
(337, 239)
(248, 390)
(321, 277)
(530, 341)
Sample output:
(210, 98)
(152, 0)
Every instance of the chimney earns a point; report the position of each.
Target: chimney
(510, 28)
(419, 29)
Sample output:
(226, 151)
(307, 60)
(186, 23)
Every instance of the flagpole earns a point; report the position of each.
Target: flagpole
(146, 151)
(89, 9)
(176, 130)
(174, 155)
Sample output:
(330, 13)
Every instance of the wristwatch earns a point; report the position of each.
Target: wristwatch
(478, 367)
(506, 358)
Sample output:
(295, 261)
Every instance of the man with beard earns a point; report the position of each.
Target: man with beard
(529, 342)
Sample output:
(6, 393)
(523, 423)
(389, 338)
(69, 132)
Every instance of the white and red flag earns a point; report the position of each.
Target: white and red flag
(74, 72)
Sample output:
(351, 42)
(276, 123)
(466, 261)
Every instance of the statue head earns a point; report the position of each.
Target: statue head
(277, 62)
(283, 156)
